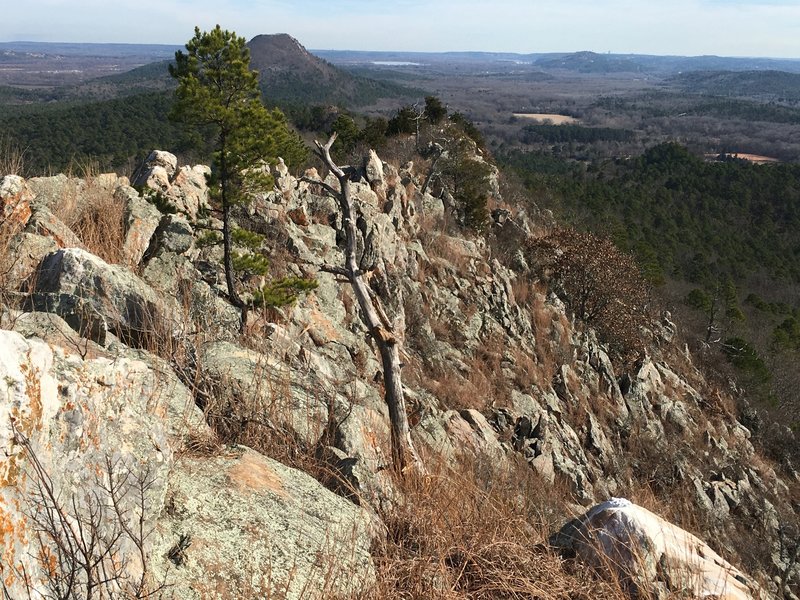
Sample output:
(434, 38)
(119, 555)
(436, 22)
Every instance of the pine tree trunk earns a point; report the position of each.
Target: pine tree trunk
(227, 250)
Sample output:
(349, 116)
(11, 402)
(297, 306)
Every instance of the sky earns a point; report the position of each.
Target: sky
(683, 27)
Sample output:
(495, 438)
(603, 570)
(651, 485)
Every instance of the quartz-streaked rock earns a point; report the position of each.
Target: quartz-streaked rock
(650, 555)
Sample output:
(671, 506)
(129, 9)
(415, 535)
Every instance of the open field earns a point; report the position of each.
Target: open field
(553, 119)
(753, 158)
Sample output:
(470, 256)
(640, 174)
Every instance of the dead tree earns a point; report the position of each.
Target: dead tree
(380, 328)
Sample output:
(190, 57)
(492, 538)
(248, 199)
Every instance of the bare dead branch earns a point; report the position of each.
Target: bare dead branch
(374, 318)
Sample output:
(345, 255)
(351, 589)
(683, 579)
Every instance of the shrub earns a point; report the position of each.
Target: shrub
(600, 283)
(745, 358)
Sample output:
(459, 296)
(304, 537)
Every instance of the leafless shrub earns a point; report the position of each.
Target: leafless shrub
(80, 537)
(601, 284)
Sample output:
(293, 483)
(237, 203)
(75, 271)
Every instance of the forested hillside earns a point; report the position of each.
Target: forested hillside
(689, 218)
(719, 242)
(110, 133)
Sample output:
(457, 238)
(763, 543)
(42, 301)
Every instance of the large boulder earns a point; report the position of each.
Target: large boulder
(15, 198)
(141, 221)
(242, 525)
(78, 436)
(58, 192)
(173, 275)
(95, 297)
(26, 251)
(650, 556)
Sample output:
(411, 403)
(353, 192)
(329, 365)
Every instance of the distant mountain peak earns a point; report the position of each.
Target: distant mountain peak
(288, 71)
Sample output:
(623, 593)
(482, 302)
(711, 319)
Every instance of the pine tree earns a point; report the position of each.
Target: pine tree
(219, 95)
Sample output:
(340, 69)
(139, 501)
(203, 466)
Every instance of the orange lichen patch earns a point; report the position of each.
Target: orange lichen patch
(320, 328)
(251, 472)
(32, 420)
(12, 529)
(16, 209)
(12, 471)
(48, 560)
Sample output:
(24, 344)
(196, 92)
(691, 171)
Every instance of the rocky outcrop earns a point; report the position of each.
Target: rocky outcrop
(156, 171)
(95, 297)
(651, 557)
(496, 373)
(184, 189)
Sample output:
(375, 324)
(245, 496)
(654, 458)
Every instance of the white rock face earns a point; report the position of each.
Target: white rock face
(188, 190)
(184, 188)
(373, 168)
(72, 424)
(651, 555)
(163, 159)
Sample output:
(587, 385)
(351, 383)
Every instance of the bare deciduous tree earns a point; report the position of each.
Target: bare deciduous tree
(381, 329)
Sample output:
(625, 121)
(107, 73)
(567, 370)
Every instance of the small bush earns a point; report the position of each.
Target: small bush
(600, 284)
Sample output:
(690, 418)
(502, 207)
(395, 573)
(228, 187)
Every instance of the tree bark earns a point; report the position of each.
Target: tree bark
(227, 250)
(404, 454)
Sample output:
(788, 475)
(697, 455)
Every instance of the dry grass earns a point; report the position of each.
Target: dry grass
(12, 157)
(552, 333)
(261, 416)
(9, 260)
(97, 217)
(476, 532)
(440, 246)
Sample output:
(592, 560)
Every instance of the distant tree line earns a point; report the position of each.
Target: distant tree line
(108, 133)
(551, 134)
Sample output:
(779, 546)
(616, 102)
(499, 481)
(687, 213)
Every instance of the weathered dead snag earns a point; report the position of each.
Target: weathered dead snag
(381, 329)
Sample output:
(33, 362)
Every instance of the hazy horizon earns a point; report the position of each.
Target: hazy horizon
(736, 28)
(390, 51)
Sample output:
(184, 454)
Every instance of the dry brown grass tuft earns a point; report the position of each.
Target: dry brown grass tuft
(12, 157)
(476, 532)
(9, 260)
(97, 217)
(264, 416)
